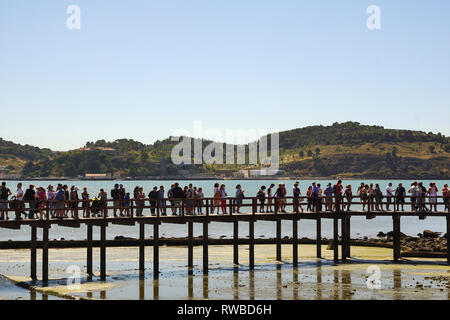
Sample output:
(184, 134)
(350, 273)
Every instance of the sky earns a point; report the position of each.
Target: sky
(143, 69)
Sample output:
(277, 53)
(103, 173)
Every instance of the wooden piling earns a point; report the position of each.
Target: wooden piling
(205, 247)
(33, 252)
(448, 239)
(396, 230)
(295, 242)
(347, 251)
(89, 250)
(45, 254)
(343, 238)
(141, 248)
(335, 239)
(156, 250)
(251, 249)
(236, 243)
(190, 247)
(318, 238)
(278, 235)
(103, 252)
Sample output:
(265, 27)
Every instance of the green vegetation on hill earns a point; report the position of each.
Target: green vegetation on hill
(347, 149)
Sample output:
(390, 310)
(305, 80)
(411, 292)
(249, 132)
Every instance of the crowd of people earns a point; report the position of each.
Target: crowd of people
(59, 202)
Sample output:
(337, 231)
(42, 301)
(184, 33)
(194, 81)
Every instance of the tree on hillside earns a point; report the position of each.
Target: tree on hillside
(302, 154)
(317, 151)
(432, 149)
(310, 153)
(394, 152)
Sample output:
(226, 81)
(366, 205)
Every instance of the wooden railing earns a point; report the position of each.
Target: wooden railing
(184, 206)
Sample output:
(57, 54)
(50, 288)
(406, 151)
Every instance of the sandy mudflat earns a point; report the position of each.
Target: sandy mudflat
(314, 279)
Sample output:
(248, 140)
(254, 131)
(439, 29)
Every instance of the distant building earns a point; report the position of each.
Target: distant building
(265, 172)
(94, 176)
(224, 172)
(244, 173)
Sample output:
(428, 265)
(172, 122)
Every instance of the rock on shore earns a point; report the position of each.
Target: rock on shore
(427, 241)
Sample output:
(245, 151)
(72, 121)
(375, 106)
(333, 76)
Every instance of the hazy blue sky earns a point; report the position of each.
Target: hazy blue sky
(141, 69)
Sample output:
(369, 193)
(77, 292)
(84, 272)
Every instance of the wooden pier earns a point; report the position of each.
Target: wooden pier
(339, 216)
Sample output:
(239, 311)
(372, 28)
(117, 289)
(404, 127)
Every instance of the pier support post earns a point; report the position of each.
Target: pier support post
(251, 248)
(205, 247)
(295, 242)
(141, 248)
(343, 238)
(156, 250)
(236, 243)
(448, 239)
(318, 238)
(33, 247)
(45, 254)
(103, 252)
(335, 239)
(348, 252)
(396, 230)
(278, 240)
(89, 250)
(190, 247)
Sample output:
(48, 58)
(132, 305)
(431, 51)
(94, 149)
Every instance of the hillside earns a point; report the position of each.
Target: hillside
(347, 150)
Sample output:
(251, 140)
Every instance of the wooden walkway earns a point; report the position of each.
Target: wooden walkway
(339, 217)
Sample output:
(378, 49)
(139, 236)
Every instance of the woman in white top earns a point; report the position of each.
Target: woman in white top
(432, 196)
(50, 197)
(19, 197)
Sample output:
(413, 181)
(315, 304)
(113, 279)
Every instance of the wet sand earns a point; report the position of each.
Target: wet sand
(414, 278)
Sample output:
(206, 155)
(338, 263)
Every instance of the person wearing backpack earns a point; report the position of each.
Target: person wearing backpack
(337, 190)
(378, 198)
(30, 198)
(261, 195)
(4, 195)
(60, 198)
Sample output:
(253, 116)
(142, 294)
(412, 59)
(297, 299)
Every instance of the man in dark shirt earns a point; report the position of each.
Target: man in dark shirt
(296, 196)
(4, 195)
(153, 196)
(30, 198)
(122, 193)
(177, 195)
(115, 195)
(400, 196)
